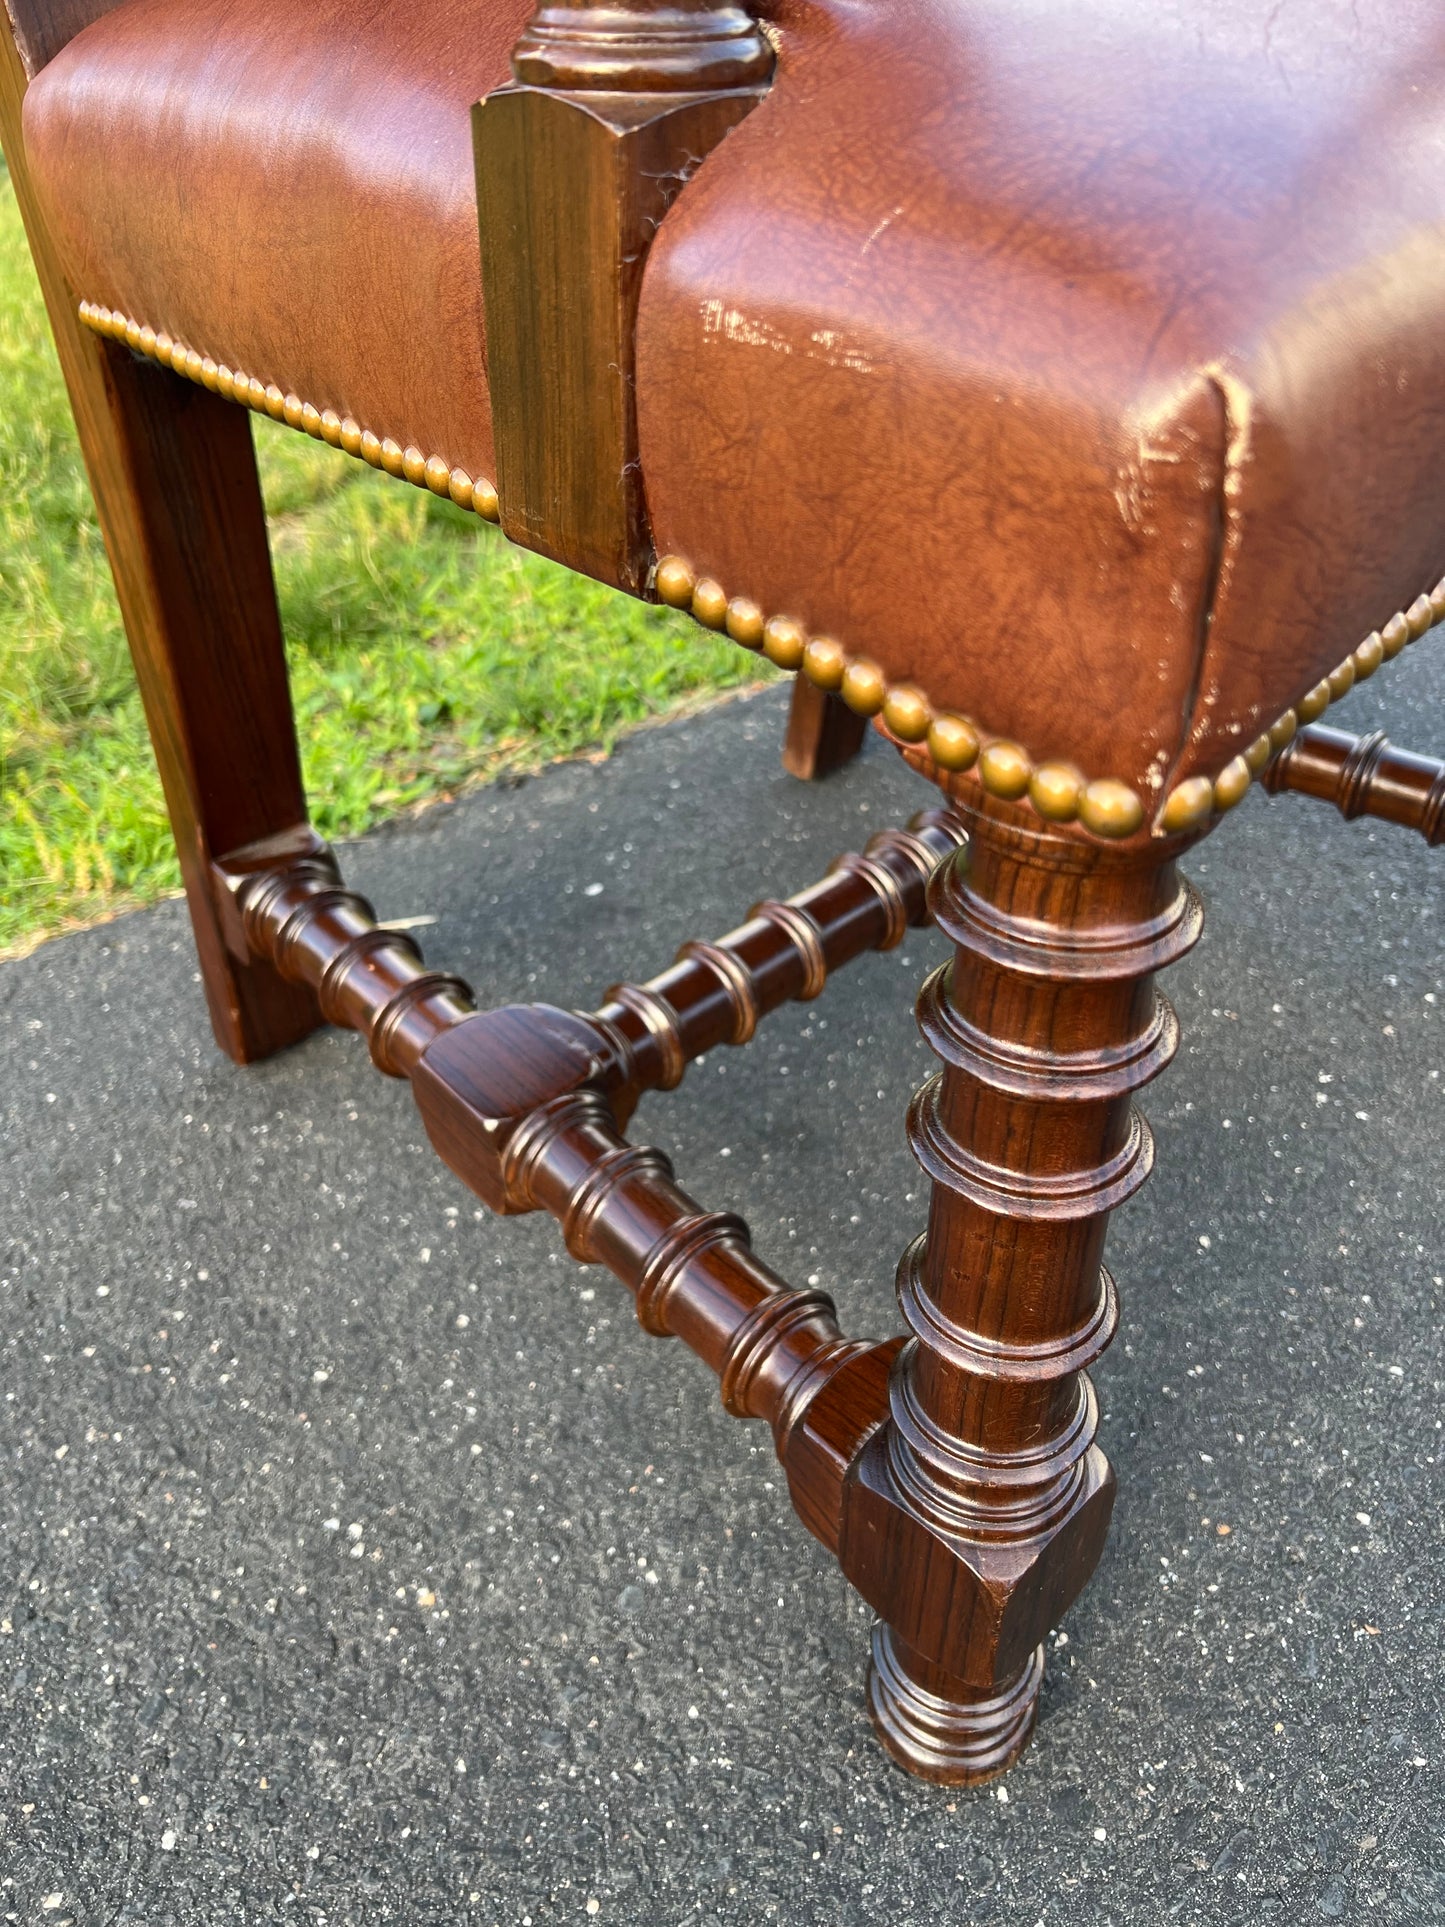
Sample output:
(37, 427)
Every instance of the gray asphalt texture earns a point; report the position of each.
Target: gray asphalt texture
(363, 1562)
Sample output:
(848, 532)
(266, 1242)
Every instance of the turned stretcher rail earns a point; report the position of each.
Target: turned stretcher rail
(1364, 776)
(527, 1103)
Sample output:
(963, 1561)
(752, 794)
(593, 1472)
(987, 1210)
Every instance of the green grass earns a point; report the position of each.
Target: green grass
(426, 653)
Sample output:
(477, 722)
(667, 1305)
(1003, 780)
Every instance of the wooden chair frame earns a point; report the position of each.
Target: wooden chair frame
(953, 1470)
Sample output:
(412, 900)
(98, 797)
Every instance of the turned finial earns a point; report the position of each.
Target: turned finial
(648, 46)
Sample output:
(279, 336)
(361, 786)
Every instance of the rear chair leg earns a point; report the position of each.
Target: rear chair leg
(979, 1510)
(174, 476)
(823, 732)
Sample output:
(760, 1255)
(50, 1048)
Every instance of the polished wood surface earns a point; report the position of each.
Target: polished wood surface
(1363, 776)
(174, 478)
(977, 1515)
(574, 174)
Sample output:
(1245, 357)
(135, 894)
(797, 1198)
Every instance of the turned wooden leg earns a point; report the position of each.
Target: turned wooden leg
(174, 476)
(978, 1512)
(823, 732)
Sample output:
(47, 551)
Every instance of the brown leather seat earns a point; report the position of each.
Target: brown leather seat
(289, 189)
(1084, 363)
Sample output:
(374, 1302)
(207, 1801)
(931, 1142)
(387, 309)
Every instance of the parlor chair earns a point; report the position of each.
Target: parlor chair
(1060, 385)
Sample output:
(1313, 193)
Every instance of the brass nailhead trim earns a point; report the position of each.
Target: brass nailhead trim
(324, 425)
(1058, 791)
(1194, 801)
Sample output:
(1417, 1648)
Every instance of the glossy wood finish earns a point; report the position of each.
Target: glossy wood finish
(647, 46)
(976, 1516)
(174, 478)
(1363, 776)
(574, 176)
(823, 732)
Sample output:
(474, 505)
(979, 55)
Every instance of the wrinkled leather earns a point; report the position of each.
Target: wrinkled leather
(1082, 359)
(288, 188)
(1084, 362)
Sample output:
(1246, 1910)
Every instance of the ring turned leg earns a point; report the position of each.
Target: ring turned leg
(978, 1512)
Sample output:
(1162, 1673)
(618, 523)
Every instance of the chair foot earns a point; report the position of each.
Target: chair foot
(939, 1728)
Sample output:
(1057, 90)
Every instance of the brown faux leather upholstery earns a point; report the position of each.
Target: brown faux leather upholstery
(286, 185)
(1082, 359)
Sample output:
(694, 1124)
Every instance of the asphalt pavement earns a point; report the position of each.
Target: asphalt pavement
(361, 1561)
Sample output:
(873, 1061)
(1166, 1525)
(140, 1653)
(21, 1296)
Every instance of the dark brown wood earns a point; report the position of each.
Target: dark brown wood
(174, 477)
(649, 46)
(574, 176)
(974, 1518)
(42, 27)
(1363, 776)
(823, 732)
(524, 1104)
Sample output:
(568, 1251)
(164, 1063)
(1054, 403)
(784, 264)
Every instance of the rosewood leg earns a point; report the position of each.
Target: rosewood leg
(174, 477)
(1047, 1021)
(823, 732)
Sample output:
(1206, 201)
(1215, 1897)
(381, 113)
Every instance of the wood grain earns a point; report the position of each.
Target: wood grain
(173, 472)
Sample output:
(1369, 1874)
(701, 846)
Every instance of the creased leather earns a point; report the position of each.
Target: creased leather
(1084, 362)
(288, 188)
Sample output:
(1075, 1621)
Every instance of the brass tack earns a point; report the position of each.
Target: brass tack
(275, 402)
(952, 742)
(99, 317)
(1283, 731)
(459, 487)
(1258, 754)
(436, 474)
(311, 420)
(295, 409)
(195, 362)
(1368, 657)
(1004, 769)
(164, 349)
(132, 334)
(1420, 615)
(331, 434)
(105, 320)
(484, 501)
(1188, 805)
(115, 324)
(85, 312)
(1394, 636)
(350, 434)
(745, 622)
(1110, 808)
(824, 661)
(370, 448)
(675, 582)
(256, 393)
(225, 383)
(413, 465)
(1342, 680)
(1313, 705)
(907, 712)
(1056, 791)
(147, 342)
(1231, 784)
(864, 687)
(783, 642)
(1437, 600)
(710, 603)
(210, 373)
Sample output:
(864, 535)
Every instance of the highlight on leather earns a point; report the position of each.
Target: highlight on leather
(943, 745)
(409, 464)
